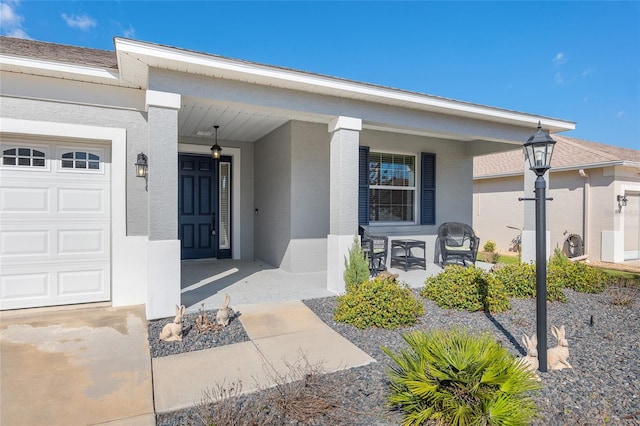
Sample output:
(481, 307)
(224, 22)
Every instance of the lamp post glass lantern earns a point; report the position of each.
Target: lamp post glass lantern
(538, 151)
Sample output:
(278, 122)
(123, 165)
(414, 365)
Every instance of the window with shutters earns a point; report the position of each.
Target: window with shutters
(390, 190)
(392, 187)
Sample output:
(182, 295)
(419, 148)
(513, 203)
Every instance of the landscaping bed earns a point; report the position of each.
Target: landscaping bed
(602, 387)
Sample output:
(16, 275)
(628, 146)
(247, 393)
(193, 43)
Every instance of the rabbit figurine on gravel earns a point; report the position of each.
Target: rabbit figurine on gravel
(531, 359)
(557, 357)
(223, 314)
(173, 331)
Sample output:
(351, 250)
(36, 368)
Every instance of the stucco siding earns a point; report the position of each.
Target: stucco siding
(134, 122)
(272, 168)
(496, 206)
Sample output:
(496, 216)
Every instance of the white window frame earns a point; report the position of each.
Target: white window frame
(69, 148)
(413, 188)
(46, 149)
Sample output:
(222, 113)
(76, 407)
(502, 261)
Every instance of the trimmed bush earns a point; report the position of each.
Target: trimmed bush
(575, 275)
(489, 246)
(378, 303)
(519, 280)
(357, 266)
(451, 377)
(470, 289)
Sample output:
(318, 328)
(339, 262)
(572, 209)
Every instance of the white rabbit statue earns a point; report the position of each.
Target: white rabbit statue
(173, 331)
(530, 361)
(557, 357)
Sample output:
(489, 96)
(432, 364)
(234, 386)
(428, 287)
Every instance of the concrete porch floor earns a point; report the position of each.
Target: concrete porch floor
(252, 281)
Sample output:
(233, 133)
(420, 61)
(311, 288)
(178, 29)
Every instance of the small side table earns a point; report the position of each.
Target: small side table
(405, 257)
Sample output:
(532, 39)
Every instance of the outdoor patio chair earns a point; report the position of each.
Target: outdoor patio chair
(375, 248)
(457, 244)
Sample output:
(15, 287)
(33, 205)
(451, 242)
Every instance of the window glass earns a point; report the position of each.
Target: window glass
(392, 187)
(25, 157)
(78, 160)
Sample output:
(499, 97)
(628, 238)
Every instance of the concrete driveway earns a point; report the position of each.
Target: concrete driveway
(75, 367)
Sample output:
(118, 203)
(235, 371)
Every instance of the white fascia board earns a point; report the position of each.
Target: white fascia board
(293, 79)
(48, 66)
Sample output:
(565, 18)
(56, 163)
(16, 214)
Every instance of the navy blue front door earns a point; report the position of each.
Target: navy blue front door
(198, 206)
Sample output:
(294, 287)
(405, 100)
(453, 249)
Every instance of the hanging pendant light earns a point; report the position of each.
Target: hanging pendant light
(215, 149)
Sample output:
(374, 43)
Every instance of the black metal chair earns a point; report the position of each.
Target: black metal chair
(457, 244)
(375, 248)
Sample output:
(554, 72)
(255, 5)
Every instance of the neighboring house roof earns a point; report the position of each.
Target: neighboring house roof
(58, 53)
(568, 153)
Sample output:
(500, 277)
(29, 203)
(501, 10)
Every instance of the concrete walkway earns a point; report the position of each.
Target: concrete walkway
(282, 334)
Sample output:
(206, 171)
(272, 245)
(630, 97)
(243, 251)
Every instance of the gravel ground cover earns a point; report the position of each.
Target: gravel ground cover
(191, 339)
(602, 388)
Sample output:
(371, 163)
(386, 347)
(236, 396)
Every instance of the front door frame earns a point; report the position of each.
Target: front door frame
(236, 195)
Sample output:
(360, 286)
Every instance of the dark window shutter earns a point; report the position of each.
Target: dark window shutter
(363, 186)
(428, 190)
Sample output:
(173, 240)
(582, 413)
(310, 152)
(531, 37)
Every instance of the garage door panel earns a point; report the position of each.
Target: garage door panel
(24, 200)
(24, 243)
(74, 200)
(81, 241)
(72, 283)
(23, 287)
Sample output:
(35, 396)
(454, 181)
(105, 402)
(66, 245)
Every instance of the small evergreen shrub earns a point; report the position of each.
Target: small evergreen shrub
(452, 377)
(380, 303)
(470, 289)
(489, 246)
(575, 275)
(356, 266)
(519, 281)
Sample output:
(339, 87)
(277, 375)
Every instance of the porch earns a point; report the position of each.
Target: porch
(252, 281)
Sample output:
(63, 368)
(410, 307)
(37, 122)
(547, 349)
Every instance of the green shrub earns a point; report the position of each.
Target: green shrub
(378, 303)
(575, 275)
(454, 378)
(489, 246)
(519, 280)
(470, 289)
(357, 266)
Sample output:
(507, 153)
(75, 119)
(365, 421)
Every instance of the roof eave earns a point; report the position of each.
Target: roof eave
(176, 59)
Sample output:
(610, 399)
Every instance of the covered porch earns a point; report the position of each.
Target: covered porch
(254, 281)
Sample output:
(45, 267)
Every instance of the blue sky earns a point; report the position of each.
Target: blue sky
(577, 61)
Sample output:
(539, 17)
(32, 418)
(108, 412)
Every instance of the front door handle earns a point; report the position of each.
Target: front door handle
(213, 224)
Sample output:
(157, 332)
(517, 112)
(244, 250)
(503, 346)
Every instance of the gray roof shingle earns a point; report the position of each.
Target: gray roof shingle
(58, 53)
(567, 153)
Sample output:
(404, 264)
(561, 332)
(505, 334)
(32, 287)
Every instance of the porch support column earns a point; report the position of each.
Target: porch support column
(343, 201)
(528, 242)
(163, 254)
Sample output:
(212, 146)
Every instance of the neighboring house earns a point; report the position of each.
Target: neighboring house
(589, 183)
(77, 225)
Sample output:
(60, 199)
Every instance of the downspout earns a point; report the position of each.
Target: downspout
(586, 192)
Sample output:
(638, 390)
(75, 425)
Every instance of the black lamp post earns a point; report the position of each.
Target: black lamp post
(538, 150)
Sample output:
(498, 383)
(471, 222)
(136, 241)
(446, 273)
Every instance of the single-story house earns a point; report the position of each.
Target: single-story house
(305, 159)
(596, 199)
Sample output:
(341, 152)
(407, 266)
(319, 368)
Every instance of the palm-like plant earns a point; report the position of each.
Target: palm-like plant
(455, 378)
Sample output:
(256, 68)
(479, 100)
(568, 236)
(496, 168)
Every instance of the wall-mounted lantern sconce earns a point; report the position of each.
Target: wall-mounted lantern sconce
(215, 149)
(142, 165)
(622, 201)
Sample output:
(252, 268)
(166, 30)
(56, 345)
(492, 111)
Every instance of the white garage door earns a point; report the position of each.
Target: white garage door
(54, 223)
